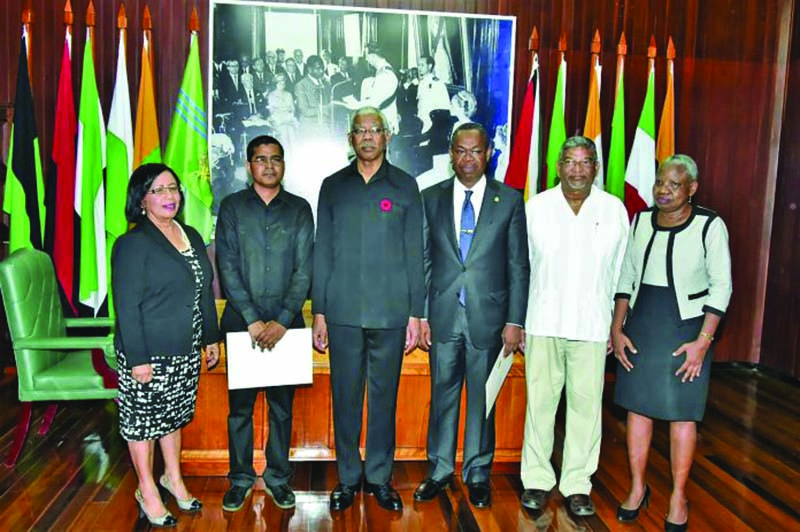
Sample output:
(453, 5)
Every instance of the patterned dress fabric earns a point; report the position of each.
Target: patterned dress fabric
(165, 404)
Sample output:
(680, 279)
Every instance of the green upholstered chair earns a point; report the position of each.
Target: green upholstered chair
(51, 366)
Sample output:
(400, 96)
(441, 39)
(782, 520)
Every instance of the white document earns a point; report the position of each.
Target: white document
(289, 362)
(496, 379)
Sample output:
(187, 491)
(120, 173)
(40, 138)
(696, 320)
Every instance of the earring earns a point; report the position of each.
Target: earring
(143, 211)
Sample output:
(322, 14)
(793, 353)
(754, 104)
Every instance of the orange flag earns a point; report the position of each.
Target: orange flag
(146, 148)
(666, 129)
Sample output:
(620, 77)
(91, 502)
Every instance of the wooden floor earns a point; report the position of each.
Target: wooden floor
(746, 476)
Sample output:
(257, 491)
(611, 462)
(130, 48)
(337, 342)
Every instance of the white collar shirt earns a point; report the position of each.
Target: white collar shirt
(459, 193)
(575, 264)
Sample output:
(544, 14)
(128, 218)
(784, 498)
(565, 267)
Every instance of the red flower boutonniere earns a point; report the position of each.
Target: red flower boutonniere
(386, 205)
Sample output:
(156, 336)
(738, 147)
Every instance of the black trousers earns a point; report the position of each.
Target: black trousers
(453, 361)
(358, 358)
(240, 432)
(240, 435)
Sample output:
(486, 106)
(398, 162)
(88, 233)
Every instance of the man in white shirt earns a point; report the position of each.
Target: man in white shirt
(576, 239)
(379, 90)
(431, 93)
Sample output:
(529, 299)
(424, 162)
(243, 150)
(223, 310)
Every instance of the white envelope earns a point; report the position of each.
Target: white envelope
(496, 379)
(289, 362)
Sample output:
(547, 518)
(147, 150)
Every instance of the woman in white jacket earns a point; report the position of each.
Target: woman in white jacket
(674, 289)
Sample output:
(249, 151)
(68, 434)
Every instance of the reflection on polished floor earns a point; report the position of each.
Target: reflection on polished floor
(746, 476)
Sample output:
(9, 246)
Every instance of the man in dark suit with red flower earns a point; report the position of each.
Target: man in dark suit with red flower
(367, 297)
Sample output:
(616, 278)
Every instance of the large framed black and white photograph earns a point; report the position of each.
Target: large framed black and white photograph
(298, 72)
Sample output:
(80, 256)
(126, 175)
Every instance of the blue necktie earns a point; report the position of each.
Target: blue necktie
(465, 237)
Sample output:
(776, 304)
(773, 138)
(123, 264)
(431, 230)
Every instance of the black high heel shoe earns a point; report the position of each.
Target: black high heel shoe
(190, 505)
(164, 521)
(624, 514)
(669, 526)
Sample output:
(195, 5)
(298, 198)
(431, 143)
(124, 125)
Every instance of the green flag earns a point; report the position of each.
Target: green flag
(187, 147)
(89, 193)
(24, 192)
(615, 177)
(558, 128)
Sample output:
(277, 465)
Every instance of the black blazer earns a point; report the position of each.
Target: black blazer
(496, 273)
(153, 292)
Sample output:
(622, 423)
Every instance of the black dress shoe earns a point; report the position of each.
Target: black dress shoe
(430, 488)
(386, 496)
(342, 496)
(669, 526)
(624, 514)
(282, 495)
(580, 505)
(534, 499)
(480, 494)
(234, 498)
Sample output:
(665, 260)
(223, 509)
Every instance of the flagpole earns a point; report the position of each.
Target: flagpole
(147, 25)
(27, 29)
(558, 132)
(665, 145)
(90, 22)
(533, 49)
(593, 128)
(615, 175)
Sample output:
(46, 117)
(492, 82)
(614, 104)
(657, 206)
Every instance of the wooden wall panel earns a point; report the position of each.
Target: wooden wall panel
(730, 91)
(780, 345)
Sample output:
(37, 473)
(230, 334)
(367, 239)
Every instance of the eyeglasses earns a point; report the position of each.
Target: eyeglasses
(475, 152)
(572, 163)
(262, 160)
(164, 190)
(361, 131)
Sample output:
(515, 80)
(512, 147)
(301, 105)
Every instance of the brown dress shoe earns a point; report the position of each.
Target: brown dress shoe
(580, 505)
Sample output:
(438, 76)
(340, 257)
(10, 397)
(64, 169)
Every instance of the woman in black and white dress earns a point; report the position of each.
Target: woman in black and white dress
(165, 314)
(673, 290)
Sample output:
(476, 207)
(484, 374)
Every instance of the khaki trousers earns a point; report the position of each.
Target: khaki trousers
(550, 363)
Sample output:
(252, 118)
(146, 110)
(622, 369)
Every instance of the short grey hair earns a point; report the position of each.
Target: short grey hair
(578, 142)
(683, 163)
(367, 110)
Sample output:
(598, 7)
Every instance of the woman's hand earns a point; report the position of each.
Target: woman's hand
(143, 373)
(695, 354)
(622, 342)
(212, 355)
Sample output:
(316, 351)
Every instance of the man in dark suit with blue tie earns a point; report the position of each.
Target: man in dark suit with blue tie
(477, 272)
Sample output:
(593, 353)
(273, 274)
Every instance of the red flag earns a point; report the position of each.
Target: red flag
(523, 168)
(64, 158)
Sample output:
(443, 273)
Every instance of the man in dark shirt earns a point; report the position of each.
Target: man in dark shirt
(367, 297)
(313, 96)
(264, 245)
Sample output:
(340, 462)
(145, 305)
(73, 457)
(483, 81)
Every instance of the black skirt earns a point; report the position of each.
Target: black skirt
(651, 388)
